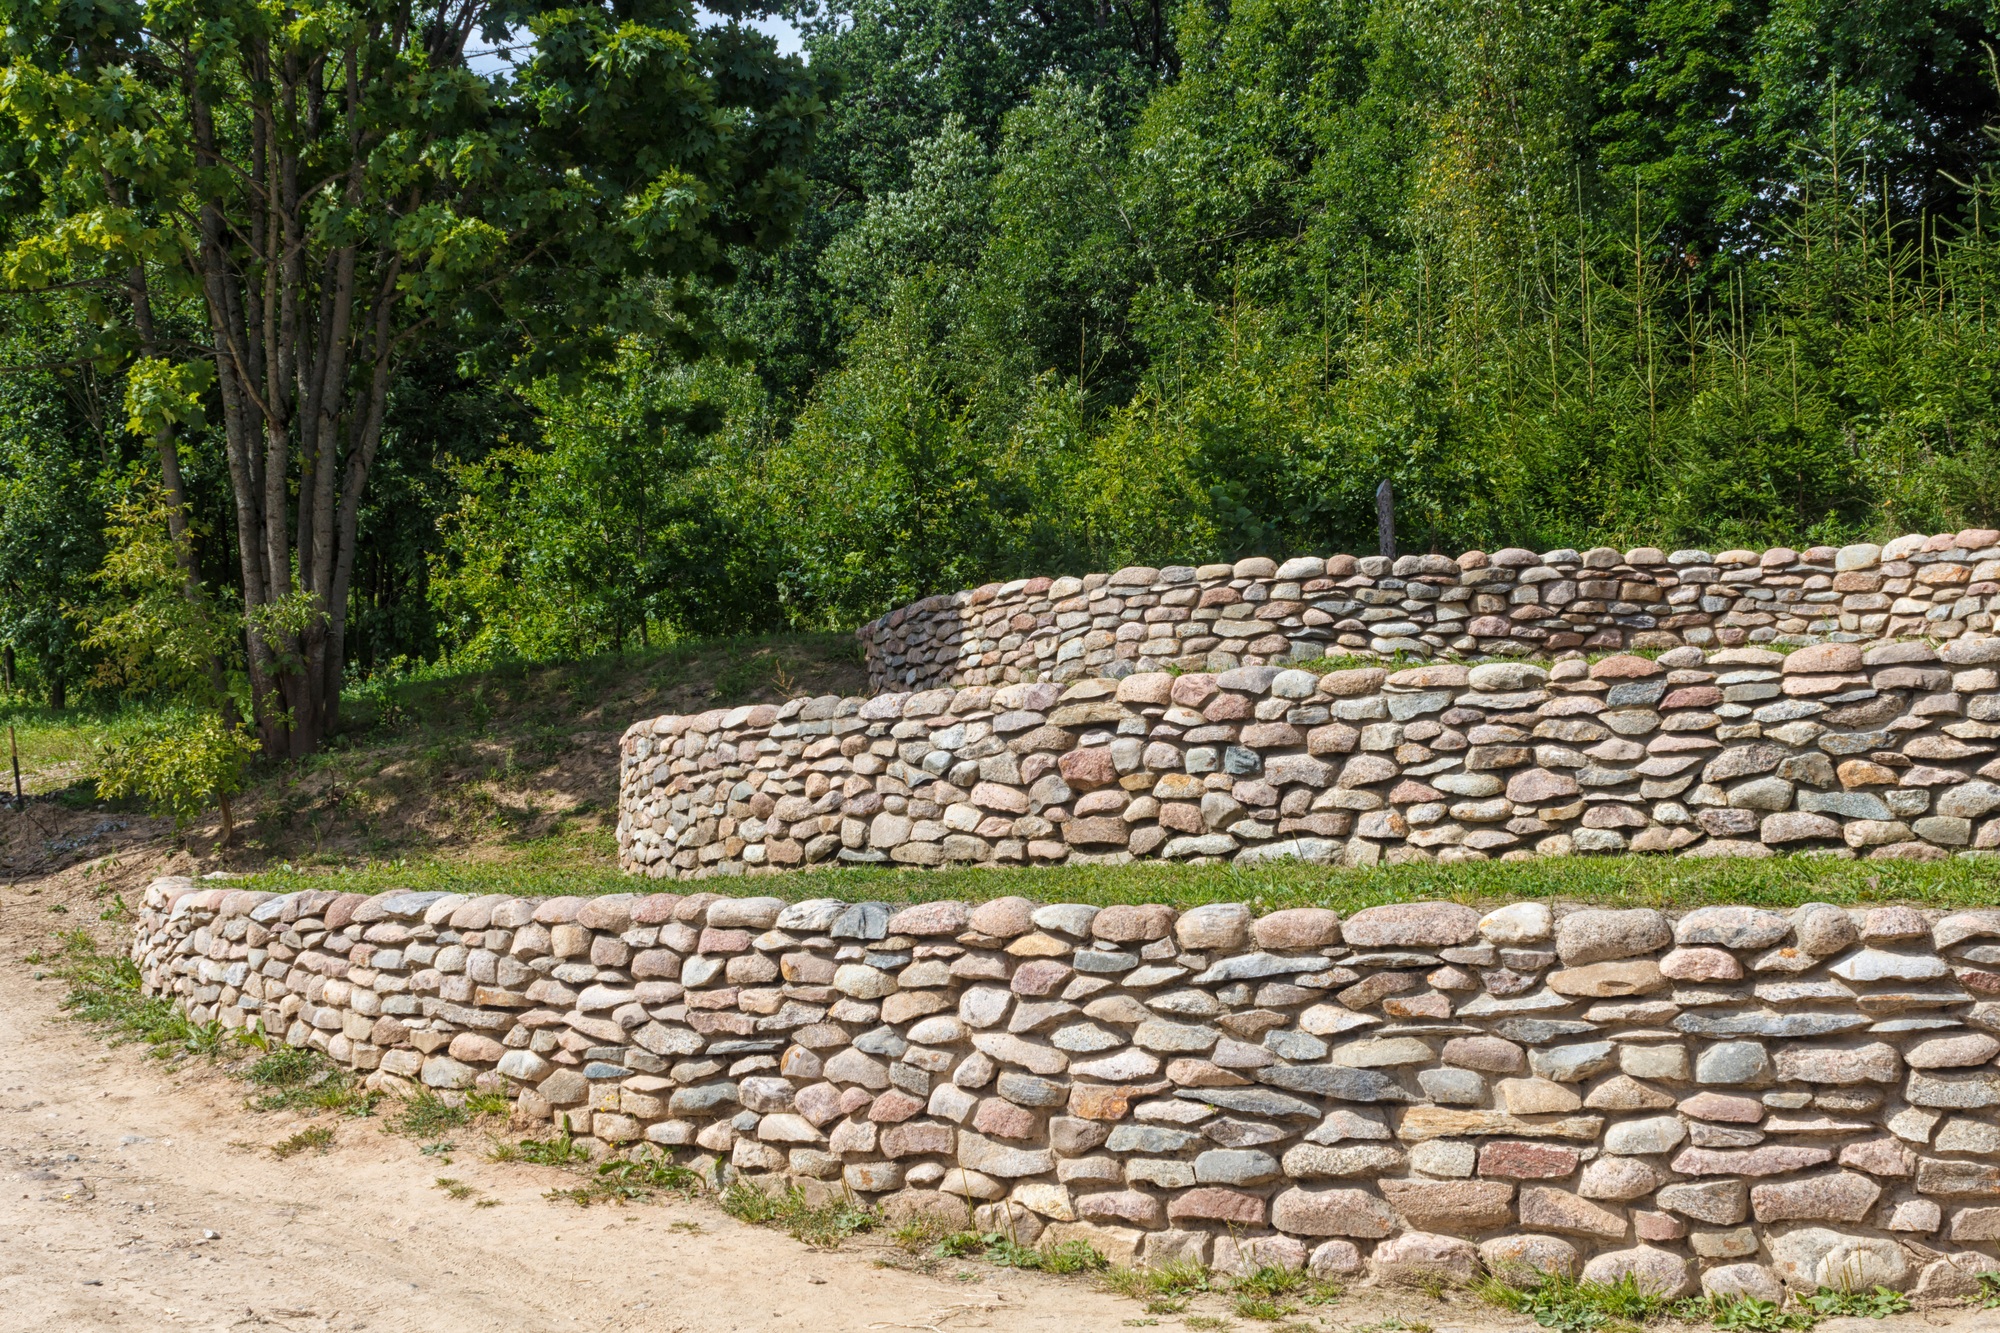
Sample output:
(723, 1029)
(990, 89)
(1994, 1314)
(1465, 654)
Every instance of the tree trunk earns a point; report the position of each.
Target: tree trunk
(303, 358)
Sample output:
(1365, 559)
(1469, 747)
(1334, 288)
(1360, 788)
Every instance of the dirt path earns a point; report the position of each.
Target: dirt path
(114, 1172)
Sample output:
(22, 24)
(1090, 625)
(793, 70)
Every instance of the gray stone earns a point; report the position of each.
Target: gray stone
(1732, 927)
(1742, 1062)
(1767, 1024)
(1597, 935)
(1571, 1064)
(1235, 1166)
(1343, 1084)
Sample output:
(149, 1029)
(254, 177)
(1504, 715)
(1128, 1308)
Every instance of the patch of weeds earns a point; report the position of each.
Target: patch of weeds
(1270, 1293)
(316, 1139)
(1395, 1325)
(824, 1225)
(689, 1228)
(1571, 1306)
(485, 1203)
(920, 1233)
(1875, 1303)
(1207, 1323)
(1071, 1256)
(442, 1149)
(1166, 1289)
(105, 991)
(560, 1150)
(597, 1190)
(297, 1078)
(1267, 1308)
(1988, 1297)
(654, 1172)
(1744, 1314)
(482, 1104)
(426, 1115)
(455, 1187)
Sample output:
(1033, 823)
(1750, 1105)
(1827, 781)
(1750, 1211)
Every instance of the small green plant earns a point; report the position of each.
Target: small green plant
(1571, 1306)
(1988, 1297)
(825, 1225)
(316, 1139)
(178, 764)
(1165, 1289)
(426, 1115)
(455, 1187)
(654, 1171)
(1207, 1323)
(1747, 1314)
(297, 1078)
(560, 1150)
(1875, 1303)
(1269, 1308)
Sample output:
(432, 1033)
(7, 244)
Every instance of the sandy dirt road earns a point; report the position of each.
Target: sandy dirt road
(114, 1172)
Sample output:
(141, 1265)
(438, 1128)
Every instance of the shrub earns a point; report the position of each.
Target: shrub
(177, 764)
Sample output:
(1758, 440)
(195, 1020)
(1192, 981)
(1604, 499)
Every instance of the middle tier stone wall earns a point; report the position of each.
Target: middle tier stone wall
(1884, 750)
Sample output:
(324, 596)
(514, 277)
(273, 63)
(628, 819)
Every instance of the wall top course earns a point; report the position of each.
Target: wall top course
(1508, 602)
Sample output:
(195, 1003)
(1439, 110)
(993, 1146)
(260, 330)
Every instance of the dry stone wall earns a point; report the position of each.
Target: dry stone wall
(1734, 1101)
(1512, 602)
(1885, 751)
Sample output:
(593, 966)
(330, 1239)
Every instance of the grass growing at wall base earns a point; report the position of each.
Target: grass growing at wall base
(1626, 881)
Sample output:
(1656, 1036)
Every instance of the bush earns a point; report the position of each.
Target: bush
(177, 763)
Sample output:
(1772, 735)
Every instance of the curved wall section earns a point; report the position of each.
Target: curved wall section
(1506, 603)
(1734, 1101)
(1883, 751)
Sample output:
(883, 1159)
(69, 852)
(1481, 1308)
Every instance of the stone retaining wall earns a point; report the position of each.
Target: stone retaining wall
(1884, 751)
(1512, 602)
(1738, 1100)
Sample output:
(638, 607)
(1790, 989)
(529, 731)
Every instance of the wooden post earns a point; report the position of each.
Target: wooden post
(14, 753)
(1385, 518)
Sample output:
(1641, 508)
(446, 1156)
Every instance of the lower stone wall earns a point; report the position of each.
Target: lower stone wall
(1735, 1101)
(1884, 750)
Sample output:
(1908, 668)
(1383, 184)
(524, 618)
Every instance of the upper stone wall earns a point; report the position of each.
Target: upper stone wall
(1512, 602)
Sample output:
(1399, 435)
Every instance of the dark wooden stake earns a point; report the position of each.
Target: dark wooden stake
(1385, 518)
(14, 753)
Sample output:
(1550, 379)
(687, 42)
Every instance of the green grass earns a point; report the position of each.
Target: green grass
(825, 1224)
(297, 1078)
(317, 1138)
(560, 1149)
(1165, 1289)
(1070, 1256)
(1874, 1303)
(104, 992)
(1571, 1306)
(1783, 881)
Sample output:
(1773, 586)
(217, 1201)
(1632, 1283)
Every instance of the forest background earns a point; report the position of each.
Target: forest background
(1080, 283)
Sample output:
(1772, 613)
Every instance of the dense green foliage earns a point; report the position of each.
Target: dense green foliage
(1568, 272)
(1079, 285)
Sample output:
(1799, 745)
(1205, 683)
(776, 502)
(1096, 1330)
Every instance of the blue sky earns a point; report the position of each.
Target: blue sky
(488, 60)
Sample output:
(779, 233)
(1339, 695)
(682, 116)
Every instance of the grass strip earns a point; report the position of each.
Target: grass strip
(1626, 881)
